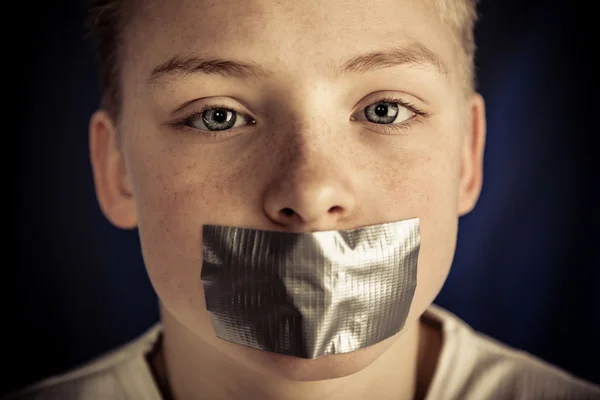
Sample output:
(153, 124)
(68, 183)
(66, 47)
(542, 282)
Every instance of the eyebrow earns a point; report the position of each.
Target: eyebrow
(413, 54)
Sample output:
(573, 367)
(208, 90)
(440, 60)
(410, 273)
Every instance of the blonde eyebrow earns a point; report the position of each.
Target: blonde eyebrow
(414, 54)
(191, 64)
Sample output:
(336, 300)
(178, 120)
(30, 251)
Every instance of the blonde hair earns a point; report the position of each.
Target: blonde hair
(107, 20)
(460, 16)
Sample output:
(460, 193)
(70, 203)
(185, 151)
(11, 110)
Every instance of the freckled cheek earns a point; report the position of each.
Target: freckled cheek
(171, 210)
(439, 219)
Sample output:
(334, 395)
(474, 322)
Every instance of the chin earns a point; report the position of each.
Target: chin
(304, 370)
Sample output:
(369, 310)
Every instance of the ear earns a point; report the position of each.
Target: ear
(113, 188)
(471, 176)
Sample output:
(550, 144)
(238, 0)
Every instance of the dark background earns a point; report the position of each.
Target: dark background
(526, 267)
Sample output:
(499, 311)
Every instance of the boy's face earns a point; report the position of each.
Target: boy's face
(313, 159)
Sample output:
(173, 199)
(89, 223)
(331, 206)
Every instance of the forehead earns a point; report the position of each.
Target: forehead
(301, 37)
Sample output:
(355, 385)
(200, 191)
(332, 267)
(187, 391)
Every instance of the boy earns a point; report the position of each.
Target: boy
(295, 118)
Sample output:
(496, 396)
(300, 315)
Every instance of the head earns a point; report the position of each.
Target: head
(325, 116)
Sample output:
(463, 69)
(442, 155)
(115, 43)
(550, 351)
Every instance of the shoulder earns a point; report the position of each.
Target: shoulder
(475, 366)
(120, 374)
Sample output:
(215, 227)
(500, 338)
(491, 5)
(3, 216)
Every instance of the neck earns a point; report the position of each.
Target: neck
(196, 370)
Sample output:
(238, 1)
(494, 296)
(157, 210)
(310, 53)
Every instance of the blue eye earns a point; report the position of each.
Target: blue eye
(385, 112)
(216, 118)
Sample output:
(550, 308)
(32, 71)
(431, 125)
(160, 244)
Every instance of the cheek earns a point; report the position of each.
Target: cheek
(437, 199)
(171, 207)
(171, 240)
(425, 184)
(179, 186)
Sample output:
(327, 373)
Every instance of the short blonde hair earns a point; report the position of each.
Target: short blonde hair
(107, 20)
(460, 16)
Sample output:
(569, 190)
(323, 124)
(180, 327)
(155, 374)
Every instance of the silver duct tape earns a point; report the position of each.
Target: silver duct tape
(310, 294)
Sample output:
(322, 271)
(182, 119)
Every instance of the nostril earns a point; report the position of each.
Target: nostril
(288, 212)
(335, 209)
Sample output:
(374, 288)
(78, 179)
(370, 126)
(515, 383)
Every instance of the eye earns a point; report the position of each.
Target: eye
(386, 112)
(216, 118)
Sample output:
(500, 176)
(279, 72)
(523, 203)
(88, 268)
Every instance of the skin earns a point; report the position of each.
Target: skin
(310, 150)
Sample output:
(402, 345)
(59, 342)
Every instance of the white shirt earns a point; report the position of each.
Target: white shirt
(471, 366)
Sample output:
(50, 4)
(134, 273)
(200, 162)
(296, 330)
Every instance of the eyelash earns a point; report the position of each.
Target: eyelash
(420, 114)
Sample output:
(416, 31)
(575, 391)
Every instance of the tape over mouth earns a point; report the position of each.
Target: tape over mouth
(310, 294)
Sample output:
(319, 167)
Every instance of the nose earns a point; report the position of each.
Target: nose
(309, 195)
